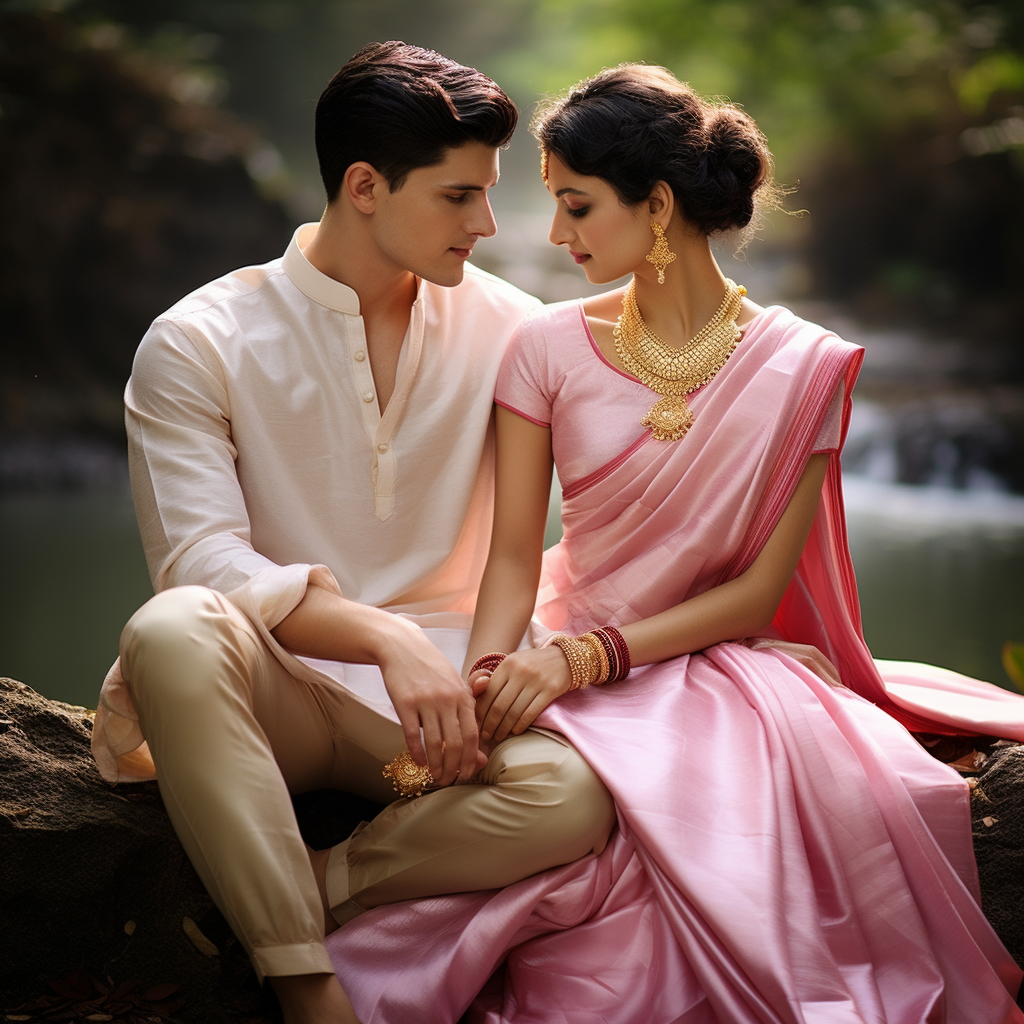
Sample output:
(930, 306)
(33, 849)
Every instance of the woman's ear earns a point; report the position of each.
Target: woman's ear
(361, 185)
(661, 203)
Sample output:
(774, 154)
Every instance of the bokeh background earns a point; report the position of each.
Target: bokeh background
(147, 147)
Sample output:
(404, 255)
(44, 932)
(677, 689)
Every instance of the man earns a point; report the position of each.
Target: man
(311, 468)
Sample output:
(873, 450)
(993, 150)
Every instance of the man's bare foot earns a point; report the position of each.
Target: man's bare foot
(313, 999)
(318, 861)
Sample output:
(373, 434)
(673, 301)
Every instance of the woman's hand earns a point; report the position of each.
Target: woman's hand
(518, 690)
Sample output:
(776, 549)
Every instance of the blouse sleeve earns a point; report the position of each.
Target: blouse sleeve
(523, 384)
(831, 429)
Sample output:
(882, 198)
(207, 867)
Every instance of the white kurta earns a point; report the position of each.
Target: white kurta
(260, 459)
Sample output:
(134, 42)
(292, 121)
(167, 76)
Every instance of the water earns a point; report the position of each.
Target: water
(71, 574)
(940, 574)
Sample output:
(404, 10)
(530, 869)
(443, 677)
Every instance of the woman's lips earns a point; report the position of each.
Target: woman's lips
(579, 257)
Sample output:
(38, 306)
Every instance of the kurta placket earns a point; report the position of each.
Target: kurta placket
(381, 429)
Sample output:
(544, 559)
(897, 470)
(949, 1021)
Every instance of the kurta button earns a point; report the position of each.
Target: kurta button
(367, 396)
(382, 447)
(360, 356)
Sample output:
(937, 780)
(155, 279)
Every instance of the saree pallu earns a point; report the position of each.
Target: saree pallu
(786, 852)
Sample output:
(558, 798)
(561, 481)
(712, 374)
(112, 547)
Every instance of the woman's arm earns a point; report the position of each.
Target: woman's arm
(524, 684)
(743, 606)
(508, 590)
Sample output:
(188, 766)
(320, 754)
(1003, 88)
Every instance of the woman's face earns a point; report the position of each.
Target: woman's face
(609, 240)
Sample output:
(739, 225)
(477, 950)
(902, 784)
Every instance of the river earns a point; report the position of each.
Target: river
(940, 574)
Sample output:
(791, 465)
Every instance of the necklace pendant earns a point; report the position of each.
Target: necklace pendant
(669, 418)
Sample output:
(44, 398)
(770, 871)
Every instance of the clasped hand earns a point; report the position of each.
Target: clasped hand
(520, 688)
(434, 707)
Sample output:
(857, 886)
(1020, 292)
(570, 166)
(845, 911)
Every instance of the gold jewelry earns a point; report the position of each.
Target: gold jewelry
(408, 778)
(582, 663)
(596, 657)
(661, 255)
(598, 654)
(674, 371)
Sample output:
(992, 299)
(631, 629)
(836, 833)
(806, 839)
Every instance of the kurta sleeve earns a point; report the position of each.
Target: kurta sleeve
(188, 500)
(192, 518)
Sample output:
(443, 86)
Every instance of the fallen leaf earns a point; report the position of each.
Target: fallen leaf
(989, 822)
(76, 987)
(198, 939)
(129, 927)
(158, 993)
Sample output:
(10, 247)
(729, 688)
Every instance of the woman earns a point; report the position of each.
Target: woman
(786, 851)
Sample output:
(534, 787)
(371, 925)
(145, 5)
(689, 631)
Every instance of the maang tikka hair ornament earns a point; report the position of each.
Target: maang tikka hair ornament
(661, 255)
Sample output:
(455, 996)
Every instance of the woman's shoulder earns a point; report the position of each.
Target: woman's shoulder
(780, 326)
(550, 328)
(553, 316)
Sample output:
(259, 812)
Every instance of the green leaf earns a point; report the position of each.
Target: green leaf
(1013, 662)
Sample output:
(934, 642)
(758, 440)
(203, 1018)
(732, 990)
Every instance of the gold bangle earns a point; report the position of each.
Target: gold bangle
(598, 654)
(584, 662)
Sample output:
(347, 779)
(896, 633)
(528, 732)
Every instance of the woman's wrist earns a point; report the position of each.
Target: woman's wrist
(487, 662)
(598, 656)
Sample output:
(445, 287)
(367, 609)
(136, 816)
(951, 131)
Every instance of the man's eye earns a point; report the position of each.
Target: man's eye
(457, 199)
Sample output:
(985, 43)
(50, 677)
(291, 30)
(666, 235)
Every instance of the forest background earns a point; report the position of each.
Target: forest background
(146, 147)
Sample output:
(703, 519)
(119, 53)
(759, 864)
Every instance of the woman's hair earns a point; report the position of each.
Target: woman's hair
(399, 107)
(636, 124)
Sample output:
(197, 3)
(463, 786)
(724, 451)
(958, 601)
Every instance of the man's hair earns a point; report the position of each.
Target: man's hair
(399, 107)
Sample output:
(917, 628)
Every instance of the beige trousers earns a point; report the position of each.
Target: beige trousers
(233, 734)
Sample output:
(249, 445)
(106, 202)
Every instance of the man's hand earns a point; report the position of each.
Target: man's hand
(434, 705)
(424, 687)
(518, 690)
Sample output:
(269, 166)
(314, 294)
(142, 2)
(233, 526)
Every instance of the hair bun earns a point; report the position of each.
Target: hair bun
(736, 144)
(635, 125)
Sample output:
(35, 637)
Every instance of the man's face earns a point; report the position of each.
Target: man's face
(431, 223)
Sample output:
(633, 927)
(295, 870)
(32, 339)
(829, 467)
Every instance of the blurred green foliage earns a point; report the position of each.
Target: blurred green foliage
(902, 121)
(815, 73)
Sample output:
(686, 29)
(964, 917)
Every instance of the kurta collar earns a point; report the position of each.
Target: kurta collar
(311, 282)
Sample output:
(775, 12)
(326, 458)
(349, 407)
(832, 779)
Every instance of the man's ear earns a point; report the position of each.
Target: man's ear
(362, 184)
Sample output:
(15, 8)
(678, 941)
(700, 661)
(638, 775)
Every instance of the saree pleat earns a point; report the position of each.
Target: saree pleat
(786, 852)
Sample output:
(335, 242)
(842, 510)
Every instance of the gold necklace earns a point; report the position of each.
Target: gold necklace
(672, 371)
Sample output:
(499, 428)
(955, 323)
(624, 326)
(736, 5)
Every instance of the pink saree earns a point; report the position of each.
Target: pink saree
(786, 852)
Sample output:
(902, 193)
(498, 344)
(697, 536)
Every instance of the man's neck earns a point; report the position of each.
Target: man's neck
(342, 249)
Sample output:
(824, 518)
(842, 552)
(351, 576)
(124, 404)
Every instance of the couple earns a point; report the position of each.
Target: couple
(691, 796)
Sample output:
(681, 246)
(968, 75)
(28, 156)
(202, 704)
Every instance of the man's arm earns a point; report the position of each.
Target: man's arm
(427, 692)
(195, 529)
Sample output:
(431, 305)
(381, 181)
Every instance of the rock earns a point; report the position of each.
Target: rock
(102, 910)
(97, 889)
(997, 821)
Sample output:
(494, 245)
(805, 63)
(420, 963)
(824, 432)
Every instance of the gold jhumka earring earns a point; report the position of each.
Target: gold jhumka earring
(661, 255)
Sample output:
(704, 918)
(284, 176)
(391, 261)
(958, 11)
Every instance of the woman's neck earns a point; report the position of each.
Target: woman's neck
(693, 290)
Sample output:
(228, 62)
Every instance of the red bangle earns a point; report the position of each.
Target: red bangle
(487, 661)
(618, 652)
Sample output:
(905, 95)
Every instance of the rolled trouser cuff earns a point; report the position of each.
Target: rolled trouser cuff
(298, 958)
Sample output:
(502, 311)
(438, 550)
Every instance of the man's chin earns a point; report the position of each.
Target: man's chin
(446, 277)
